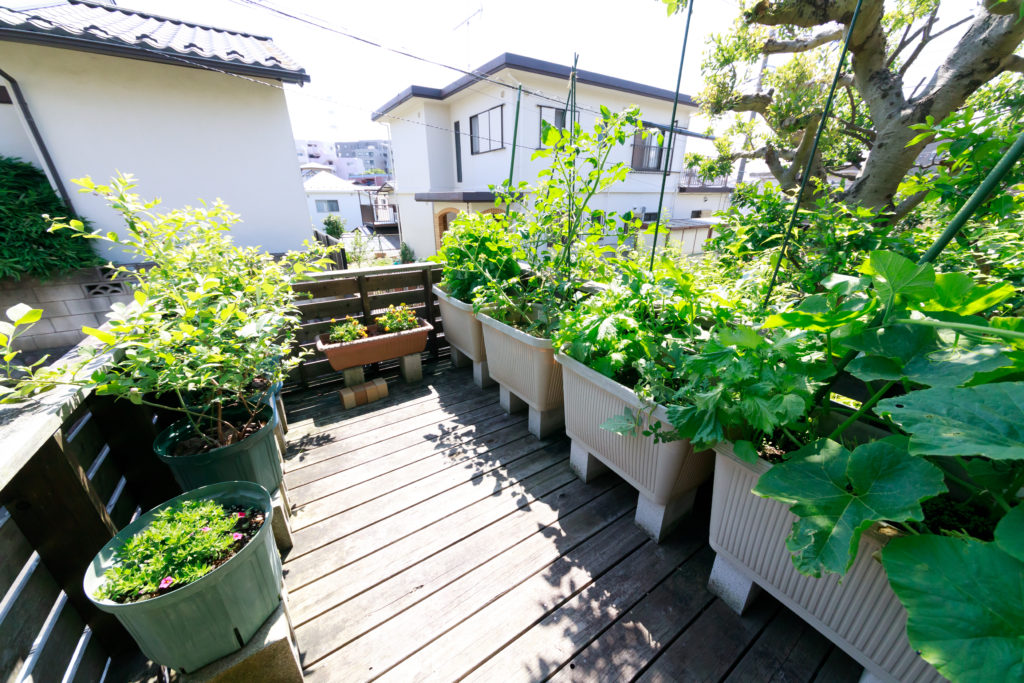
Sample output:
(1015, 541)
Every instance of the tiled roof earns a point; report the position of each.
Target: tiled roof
(325, 181)
(96, 27)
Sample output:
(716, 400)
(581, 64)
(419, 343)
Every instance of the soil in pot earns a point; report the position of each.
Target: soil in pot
(197, 444)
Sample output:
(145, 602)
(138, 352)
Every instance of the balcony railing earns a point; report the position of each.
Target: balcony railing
(379, 214)
(690, 180)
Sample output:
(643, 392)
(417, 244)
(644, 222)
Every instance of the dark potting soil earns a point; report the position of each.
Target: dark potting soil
(248, 521)
(196, 444)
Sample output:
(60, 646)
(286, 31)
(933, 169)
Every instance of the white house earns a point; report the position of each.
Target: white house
(327, 194)
(91, 89)
(449, 144)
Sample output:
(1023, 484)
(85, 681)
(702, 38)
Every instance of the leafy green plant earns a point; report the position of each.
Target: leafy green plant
(347, 330)
(334, 226)
(185, 542)
(397, 319)
(476, 250)
(406, 254)
(18, 381)
(26, 248)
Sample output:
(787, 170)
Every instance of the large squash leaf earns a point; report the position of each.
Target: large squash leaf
(837, 494)
(984, 420)
(965, 605)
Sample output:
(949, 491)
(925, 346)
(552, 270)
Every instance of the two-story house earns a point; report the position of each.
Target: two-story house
(450, 144)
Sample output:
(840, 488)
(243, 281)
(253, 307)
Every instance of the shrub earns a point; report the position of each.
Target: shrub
(406, 254)
(26, 248)
(334, 226)
(347, 330)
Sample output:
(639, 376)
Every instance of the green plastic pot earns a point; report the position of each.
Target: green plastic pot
(188, 628)
(256, 458)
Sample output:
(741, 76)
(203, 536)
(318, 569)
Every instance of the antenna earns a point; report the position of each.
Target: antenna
(465, 22)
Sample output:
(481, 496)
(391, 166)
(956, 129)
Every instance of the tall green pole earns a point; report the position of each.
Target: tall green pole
(668, 151)
(515, 136)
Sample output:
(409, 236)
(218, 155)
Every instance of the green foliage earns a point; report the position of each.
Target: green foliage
(184, 542)
(347, 330)
(397, 319)
(26, 248)
(334, 226)
(17, 381)
(478, 249)
(406, 254)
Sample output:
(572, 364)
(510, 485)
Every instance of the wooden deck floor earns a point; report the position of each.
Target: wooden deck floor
(435, 539)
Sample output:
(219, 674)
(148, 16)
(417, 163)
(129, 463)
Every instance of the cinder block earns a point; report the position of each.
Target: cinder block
(53, 309)
(59, 292)
(94, 304)
(39, 327)
(75, 322)
(54, 340)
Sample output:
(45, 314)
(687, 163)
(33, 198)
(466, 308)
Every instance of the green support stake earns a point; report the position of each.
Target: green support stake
(515, 136)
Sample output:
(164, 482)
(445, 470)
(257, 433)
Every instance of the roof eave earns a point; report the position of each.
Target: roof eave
(151, 54)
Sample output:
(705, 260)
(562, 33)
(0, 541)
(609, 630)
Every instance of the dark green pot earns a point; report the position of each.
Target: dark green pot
(257, 458)
(199, 623)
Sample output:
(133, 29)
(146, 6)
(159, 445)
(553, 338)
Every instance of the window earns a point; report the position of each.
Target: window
(650, 216)
(647, 153)
(326, 205)
(486, 131)
(458, 152)
(554, 116)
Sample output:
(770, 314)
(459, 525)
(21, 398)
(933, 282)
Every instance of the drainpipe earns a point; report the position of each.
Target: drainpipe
(51, 168)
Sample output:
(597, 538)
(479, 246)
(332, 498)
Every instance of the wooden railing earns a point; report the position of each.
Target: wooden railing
(362, 294)
(339, 257)
(73, 472)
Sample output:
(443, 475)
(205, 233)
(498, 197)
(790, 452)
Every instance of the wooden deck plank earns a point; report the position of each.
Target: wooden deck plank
(409, 462)
(788, 650)
(318, 547)
(548, 643)
(709, 647)
(603, 536)
(625, 649)
(322, 521)
(445, 433)
(556, 488)
(839, 667)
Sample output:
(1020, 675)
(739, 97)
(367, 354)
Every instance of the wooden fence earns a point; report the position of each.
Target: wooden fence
(363, 294)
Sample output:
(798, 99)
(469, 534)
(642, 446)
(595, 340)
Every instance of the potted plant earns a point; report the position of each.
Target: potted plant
(397, 332)
(923, 470)
(209, 335)
(474, 244)
(619, 351)
(194, 578)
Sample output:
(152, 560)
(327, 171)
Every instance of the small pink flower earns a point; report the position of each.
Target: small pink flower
(241, 515)
(205, 528)
(166, 583)
(236, 536)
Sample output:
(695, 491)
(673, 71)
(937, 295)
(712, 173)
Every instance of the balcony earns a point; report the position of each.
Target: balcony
(379, 215)
(690, 181)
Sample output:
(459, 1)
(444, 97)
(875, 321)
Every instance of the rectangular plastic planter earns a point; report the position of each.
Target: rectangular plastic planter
(465, 335)
(860, 613)
(665, 474)
(525, 368)
(214, 616)
(376, 347)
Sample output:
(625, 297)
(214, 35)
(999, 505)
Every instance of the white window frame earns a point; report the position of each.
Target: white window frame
(487, 130)
(321, 203)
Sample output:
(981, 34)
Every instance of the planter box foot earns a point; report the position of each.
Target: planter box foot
(659, 520)
(354, 376)
(586, 466)
(411, 368)
(544, 422)
(271, 655)
(868, 677)
(734, 587)
(281, 526)
(282, 443)
(459, 359)
(481, 375)
(281, 413)
(510, 402)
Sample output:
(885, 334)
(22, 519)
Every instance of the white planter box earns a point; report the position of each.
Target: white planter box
(860, 613)
(465, 336)
(525, 368)
(666, 474)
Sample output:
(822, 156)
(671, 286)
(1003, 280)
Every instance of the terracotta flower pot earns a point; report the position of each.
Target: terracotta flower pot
(376, 347)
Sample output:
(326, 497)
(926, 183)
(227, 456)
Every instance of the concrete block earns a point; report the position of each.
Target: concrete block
(459, 359)
(354, 376)
(510, 402)
(735, 588)
(281, 525)
(587, 467)
(94, 304)
(411, 367)
(54, 340)
(541, 423)
(59, 292)
(75, 322)
(25, 343)
(53, 309)
(481, 375)
(270, 655)
(658, 521)
(40, 327)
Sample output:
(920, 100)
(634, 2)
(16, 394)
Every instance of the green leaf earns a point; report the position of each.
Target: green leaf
(965, 605)
(895, 275)
(952, 367)
(871, 368)
(745, 450)
(23, 314)
(814, 314)
(898, 342)
(959, 293)
(984, 420)
(741, 335)
(838, 494)
(624, 423)
(102, 335)
(1010, 533)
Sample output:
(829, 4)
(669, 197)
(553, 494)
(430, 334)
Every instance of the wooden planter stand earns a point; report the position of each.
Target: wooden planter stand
(350, 357)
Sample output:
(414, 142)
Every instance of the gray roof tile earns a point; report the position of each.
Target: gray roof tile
(96, 27)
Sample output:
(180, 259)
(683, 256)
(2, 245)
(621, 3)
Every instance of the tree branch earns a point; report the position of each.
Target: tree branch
(773, 46)
(908, 204)
(927, 38)
(1014, 63)
(759, 103)
(803, 151)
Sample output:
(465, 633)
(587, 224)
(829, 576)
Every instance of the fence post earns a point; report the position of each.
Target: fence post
(428, 311)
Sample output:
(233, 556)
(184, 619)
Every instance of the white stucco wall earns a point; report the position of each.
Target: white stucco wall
(15, 138)
(417, 224)
(348, 209)
(187, 134)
